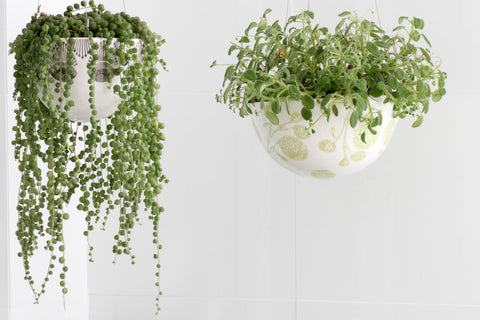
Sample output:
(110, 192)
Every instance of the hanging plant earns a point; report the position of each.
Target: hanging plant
(326, 103)
(72, 70)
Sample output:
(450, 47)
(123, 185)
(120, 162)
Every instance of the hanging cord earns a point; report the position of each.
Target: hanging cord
(290, 9)
(124, 7)
(378, 14)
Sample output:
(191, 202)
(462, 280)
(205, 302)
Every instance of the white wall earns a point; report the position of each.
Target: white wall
(4, 238)
(244, 239)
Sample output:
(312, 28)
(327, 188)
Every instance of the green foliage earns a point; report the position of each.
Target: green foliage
(306, 62)
(113, 163)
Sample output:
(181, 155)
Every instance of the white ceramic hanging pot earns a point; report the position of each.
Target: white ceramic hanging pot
(106, 101)
(335, 149)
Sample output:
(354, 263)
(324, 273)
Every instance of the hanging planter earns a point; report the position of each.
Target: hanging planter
(326, 104)
(86, 123)
(334, 149)
(105, 100)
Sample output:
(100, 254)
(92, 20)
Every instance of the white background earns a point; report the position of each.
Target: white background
(244, 239)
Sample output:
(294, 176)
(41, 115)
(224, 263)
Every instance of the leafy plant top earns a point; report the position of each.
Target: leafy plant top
(113, 163)
(306, 62)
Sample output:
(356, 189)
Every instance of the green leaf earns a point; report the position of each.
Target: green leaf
(400, 74)
(392, 82)
(361, 85)
(294, 92)
(415, 35)
(272, 117)
(382, 44)
(354, 119)
(249, 74)
(375, 92)
(250, 26)
(436, 96)
(267, 12)
(308, 101)
(360, 102)
(426, 40)
(380, 85)
(418, 23)
(442, 91)
(372, 48)
(418, 122)
(323, 30)
(420, 86)
(275, 106)
(231, 49)
(260, 86)
(425, 54)
(325, 100)
(306, 114)
(344, 14)
(400, 20)
(411, 48)
(335, 110)
(402, 91)
(244, 39)
(441, 80)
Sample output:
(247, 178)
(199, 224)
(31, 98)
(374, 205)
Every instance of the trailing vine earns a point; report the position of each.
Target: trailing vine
(113, 163)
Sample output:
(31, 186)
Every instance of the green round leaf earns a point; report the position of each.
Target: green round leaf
(306, 114)
(294, 92)
(308, 101)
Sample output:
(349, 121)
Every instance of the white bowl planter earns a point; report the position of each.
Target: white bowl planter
(106, 101)
(334, 149)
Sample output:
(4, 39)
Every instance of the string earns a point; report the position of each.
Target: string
(124, 7)
(289, 6)
(378, 14)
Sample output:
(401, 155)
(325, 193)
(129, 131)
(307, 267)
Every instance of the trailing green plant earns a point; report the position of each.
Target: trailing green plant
(305, 62)
(113, 163)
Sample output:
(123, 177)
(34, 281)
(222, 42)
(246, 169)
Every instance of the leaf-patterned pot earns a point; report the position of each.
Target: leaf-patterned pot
(106, 101)
(334, 149)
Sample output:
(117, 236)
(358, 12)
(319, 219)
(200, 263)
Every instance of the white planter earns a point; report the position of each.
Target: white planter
(334, 149)
(106, 101)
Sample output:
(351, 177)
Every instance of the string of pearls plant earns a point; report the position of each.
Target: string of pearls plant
(113, 163)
